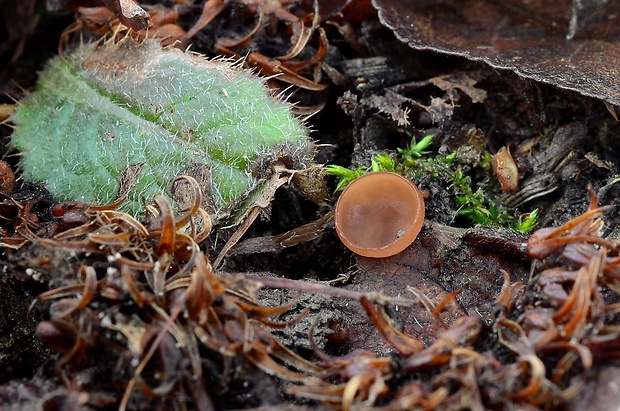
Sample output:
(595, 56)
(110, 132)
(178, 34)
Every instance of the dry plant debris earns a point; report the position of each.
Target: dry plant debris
(128, 12)
(140, 319)
(146, 302)
(569, 44)
(291, 68)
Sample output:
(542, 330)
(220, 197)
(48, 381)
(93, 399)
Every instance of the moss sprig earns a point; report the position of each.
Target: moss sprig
(475, 200)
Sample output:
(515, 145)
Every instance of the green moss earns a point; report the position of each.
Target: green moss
(475, 201)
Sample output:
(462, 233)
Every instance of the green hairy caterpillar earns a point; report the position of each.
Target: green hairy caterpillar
(124, 119)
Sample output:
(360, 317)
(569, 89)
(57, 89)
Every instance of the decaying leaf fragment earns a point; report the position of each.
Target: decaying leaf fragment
(127, 11)
(123, 120)
(506, 171)
(526, 37)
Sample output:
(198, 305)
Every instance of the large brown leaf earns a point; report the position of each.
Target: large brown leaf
(575, 48)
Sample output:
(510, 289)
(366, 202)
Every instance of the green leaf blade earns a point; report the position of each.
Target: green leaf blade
(100, 114)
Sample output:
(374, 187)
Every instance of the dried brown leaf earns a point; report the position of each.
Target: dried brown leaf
(529, 38)
(127, 11)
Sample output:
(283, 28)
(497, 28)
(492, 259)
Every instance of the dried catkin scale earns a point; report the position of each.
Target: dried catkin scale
(379, 214)
(506, 170)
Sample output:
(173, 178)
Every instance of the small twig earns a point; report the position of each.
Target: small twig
(316, 288)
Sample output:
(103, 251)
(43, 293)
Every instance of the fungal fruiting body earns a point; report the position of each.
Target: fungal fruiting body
(124, 119)
(379, 214)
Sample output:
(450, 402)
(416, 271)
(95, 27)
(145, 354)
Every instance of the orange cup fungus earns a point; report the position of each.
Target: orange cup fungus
(379, 214)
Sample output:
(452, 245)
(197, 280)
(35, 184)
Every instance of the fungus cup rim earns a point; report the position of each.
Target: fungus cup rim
(410, 198)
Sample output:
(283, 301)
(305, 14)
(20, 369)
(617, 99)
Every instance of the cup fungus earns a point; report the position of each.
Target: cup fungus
(379, 214)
